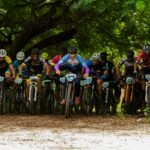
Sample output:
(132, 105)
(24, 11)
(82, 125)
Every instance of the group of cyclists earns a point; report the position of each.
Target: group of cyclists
(68, 60)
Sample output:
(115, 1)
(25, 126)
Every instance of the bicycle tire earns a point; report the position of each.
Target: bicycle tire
(31, 102)
(68, 97)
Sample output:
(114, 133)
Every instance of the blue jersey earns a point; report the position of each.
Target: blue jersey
(74, 65)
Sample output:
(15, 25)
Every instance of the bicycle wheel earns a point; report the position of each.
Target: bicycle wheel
(31, 102)
(2, 102)
(83, 104)
(68, 97)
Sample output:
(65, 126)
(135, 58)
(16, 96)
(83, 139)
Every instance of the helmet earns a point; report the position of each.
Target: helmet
(72, 49)
(129, 54)
(96, 56)
(44, 55)
(35, 51)
(103, 55)
(146, 48)
(20, 55)
(3, 53)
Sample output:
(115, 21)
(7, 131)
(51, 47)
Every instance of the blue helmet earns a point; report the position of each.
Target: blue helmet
(72, 49)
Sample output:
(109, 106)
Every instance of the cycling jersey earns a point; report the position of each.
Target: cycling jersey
(55, 59)
(74, 65)
(107, 65)
(34, 66)
(4, 65)
(144, 58)
(95, 69)
(129, 66)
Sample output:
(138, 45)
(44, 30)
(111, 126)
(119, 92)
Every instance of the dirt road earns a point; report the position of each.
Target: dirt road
(78, 132)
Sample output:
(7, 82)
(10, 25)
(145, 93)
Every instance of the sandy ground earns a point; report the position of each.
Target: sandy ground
(78, 132)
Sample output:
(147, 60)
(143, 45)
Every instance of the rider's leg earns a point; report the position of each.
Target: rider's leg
(39, 85)
(99, 87)
(27, 87)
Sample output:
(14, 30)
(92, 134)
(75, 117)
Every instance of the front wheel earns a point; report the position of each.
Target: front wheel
(68, 98)
(31, 102)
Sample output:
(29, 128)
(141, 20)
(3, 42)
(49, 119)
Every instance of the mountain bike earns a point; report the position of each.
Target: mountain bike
(128, 103)
(69, 93)
(147, 93)
(86, 84)
(33, 95)
(47, 102)
(108, 99)
(2, 95)
(19, 95)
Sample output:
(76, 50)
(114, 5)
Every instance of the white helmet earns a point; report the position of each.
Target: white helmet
(96, 56)
(3, 53)
(20, 55)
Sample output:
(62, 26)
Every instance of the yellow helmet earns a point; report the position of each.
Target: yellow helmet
(44, 55)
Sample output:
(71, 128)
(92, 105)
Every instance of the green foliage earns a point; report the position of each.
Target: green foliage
(111, 25)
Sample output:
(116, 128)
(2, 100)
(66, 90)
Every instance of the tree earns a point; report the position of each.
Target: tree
(94, 24)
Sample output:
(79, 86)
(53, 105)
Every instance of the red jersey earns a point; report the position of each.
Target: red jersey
(143, 58)
(55, 59)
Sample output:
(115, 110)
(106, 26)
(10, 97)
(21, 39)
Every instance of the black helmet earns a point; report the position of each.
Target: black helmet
(103, 55)
(35, 51)
(72, 49)
(146, 48)
(129, 54)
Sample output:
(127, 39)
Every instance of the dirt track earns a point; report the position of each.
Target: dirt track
(78, 132)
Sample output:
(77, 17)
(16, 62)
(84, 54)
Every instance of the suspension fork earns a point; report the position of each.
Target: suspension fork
(147, 100)
(107, 95)
(33, 85)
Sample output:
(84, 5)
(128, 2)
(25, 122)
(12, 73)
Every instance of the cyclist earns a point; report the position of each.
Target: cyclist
(74, 64)
(19, 60)
(5, 63)
(129, 63)
(95, 72)
(107, 75)
(143, 59)
(34, 65)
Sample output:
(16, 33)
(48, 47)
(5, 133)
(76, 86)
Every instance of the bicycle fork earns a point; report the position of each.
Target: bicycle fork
(35, 92)
(147, 94)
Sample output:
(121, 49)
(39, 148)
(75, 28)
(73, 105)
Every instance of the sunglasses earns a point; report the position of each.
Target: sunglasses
(72, 53)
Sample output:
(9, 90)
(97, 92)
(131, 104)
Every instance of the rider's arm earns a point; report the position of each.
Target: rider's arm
(46, 68)
(9, 62)
(20, 68)
(54, 61)
(84, 65)
(12, 70)
(62, 61)
(138, 61)
(118, 68)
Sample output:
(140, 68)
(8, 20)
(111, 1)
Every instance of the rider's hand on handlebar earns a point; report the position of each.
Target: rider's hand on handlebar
(86, 75)
(58, 72)
(46, 77)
